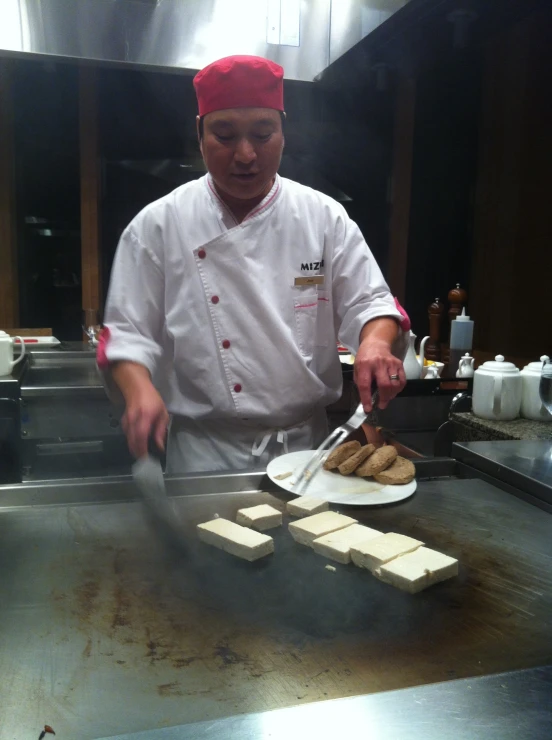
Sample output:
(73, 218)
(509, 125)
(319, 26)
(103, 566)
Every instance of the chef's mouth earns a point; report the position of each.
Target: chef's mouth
(245, 177)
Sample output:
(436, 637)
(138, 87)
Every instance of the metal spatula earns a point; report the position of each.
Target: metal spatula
(148, 476)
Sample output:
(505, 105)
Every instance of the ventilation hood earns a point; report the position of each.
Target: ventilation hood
(304, 36)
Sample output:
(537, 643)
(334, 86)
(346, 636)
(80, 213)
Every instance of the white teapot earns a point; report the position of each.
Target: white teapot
(531, 405)
(497, 390)
(7, 362)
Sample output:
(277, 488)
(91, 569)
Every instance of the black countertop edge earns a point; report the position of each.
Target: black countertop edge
(523, 464)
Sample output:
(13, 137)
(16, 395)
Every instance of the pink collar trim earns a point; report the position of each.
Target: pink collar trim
(263, 205)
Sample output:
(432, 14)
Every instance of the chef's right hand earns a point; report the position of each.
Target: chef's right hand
(145, 416)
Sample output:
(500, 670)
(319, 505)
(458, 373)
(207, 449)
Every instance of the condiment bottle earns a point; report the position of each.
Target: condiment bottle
(457, 298)
(461, 340)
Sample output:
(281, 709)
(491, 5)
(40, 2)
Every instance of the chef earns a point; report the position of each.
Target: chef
(228, 296)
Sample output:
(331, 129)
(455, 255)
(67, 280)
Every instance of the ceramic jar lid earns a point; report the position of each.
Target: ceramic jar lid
(499, 366)
(535, 368)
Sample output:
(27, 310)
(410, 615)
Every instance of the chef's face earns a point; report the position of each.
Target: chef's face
(242, 149)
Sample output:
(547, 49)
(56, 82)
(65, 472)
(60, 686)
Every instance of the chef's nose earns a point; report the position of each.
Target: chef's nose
(245, 151)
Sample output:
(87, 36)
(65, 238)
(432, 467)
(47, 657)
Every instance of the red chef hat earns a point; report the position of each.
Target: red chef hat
(240, 82)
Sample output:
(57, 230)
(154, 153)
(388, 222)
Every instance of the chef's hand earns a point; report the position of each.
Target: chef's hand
(145, 415)
(375, 364)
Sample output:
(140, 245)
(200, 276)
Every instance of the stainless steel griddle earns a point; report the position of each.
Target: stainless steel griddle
(105, 631)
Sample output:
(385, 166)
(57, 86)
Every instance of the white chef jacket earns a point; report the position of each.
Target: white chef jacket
(238, 343)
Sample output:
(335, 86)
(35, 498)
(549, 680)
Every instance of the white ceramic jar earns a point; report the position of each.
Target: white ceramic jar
(497, 390)
(531, 405)
(7, 362)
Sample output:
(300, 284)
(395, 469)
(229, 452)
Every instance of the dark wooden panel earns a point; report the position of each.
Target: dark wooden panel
(513, 230)
(399, 225)
(90, 192)
(9, 298)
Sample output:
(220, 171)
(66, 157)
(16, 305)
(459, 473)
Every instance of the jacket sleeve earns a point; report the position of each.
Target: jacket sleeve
(359, 290)
(135, 308)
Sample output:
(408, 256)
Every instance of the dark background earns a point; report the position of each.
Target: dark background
(480, 192)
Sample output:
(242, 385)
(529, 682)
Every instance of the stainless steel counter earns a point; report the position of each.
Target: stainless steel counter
(103, 631)
(68, 425)
(507, 706)
(68, 371)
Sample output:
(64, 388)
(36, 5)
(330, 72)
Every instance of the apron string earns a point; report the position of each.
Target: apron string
(261, 441)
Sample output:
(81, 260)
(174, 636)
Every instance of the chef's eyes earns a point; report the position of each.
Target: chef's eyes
(226, 139)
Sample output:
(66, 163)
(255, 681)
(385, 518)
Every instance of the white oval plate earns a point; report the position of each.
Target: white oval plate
(334, 487)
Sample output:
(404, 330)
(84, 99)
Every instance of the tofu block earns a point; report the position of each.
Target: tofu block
(380, 550)
(307, 530)
(305, 506)
(236, 540)
(260, 517)
(337, 545)
(418, 570)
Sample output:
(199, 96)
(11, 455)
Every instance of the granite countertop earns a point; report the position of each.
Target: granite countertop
(483, 429)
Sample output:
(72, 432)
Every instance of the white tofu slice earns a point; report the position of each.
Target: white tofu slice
(307, 530)
(306, 506)
(418, 570)
(381, 550)
(260, 517)
(236, 540)
(337, 545)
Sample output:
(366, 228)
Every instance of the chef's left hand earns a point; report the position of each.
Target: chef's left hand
(376, 365)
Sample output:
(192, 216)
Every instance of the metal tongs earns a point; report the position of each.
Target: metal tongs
(300, 482)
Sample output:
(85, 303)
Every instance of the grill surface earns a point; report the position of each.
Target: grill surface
(103, 630)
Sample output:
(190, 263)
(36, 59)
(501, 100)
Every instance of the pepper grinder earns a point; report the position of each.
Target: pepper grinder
(433, 348)
(457, 298)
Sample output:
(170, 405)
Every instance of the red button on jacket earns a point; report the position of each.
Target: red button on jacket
(202, 254)
(226, 343)
(215, 299)
(237, 388)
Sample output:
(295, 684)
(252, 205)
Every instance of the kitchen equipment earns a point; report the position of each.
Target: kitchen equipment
(545, 385)
(300, 482)
(413, 366)
(7, 363)
(10, 450)
(135, 644)
(433, 347)
(346, 490)
(497, 387)
(92, 325)
(147, 473)
(465, 367)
